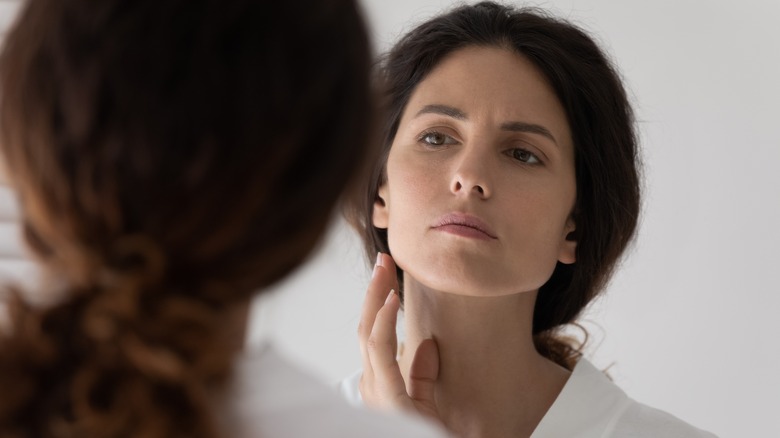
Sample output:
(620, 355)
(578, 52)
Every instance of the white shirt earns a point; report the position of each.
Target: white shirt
(271, 398)
(589, 406)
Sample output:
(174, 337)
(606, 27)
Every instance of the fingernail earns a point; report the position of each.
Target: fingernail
(380, 259)
(390, 296)
(376, 266)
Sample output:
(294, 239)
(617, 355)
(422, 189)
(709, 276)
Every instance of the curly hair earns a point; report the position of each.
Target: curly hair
(171, 159)
(602, 125)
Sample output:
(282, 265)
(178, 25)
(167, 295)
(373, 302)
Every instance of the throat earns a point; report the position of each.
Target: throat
(492, 381)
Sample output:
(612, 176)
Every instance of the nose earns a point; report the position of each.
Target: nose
(470, 178)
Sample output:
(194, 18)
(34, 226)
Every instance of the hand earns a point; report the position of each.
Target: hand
(382, 384)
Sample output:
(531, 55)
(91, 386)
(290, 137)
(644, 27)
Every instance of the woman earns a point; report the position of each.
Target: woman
(506, 192)
(171, 159)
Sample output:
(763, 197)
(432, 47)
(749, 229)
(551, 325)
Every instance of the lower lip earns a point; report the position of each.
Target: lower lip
(464, 231)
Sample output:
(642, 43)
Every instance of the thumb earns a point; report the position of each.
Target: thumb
(422, 377)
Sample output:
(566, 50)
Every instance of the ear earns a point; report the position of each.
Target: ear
(381, 214)
(568, 251)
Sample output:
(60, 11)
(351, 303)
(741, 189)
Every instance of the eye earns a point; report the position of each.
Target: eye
(435, 138)
(525, 156)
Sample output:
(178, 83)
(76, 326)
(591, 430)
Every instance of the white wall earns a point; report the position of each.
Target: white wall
(14, 265)
(690, 323)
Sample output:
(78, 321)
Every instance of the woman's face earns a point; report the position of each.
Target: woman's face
(480, 178)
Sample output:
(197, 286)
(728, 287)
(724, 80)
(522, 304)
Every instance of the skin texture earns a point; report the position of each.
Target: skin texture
(464, 147)
(476, 170)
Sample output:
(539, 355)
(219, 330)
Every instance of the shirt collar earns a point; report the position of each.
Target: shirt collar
(588, 406)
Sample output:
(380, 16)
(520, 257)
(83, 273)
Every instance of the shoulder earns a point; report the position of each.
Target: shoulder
(591, 405)
(642, 421)
(271, 397)
(349, 388)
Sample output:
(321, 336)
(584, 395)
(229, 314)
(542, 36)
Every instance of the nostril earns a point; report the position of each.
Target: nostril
(465, 186)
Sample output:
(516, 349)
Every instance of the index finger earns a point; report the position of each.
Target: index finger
(382, 281)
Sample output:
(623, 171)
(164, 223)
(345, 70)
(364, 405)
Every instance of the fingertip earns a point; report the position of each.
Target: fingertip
(425, 364)
(390, 296)
(386, 261)
(430, 345)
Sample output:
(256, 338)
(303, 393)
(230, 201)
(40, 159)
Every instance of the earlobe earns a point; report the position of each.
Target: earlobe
(568, 252)
(380, 214)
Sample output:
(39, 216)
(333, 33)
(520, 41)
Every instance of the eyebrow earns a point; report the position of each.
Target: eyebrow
(444, 110)
(530, 128)
(455, 113)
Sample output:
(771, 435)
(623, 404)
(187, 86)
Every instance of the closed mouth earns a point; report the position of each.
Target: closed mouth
(464, 220)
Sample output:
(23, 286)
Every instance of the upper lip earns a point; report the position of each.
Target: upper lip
(465, 220)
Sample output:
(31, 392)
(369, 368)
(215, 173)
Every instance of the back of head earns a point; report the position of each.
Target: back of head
(171, 158)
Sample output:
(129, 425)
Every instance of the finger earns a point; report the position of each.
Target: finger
(380, 285)
(382, 281)
(382, 342)
(423, 374)
(382, 346)
(388, 264)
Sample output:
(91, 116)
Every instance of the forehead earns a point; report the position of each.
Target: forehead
(492, 85)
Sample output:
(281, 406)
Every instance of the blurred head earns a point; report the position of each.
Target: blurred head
(216, 131)
(562, 213)
(170, 159)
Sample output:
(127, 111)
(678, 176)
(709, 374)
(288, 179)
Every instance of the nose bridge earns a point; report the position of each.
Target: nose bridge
(471, 173)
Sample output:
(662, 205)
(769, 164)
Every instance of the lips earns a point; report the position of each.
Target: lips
(465, 225)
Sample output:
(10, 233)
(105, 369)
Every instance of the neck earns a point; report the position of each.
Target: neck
(492, 381)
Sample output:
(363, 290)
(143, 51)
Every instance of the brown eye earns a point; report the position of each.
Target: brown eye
(525, 156)
(436, 139)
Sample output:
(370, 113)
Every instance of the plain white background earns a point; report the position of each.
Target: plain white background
(690, 322)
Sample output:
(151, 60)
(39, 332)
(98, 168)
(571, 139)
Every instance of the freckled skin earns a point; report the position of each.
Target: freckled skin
(522, 184)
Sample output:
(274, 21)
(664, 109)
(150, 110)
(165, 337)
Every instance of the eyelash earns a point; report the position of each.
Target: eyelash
(532, 158)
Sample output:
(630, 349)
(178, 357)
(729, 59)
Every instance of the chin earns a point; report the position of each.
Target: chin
(469, 280)
(469, 271)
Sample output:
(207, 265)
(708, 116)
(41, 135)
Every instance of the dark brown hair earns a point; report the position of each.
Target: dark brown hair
(602, 126)
(171, 158)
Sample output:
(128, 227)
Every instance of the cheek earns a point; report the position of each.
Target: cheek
(548, 217)
(413, 181)
(411, 186)
(536, 232)
(411, 207)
